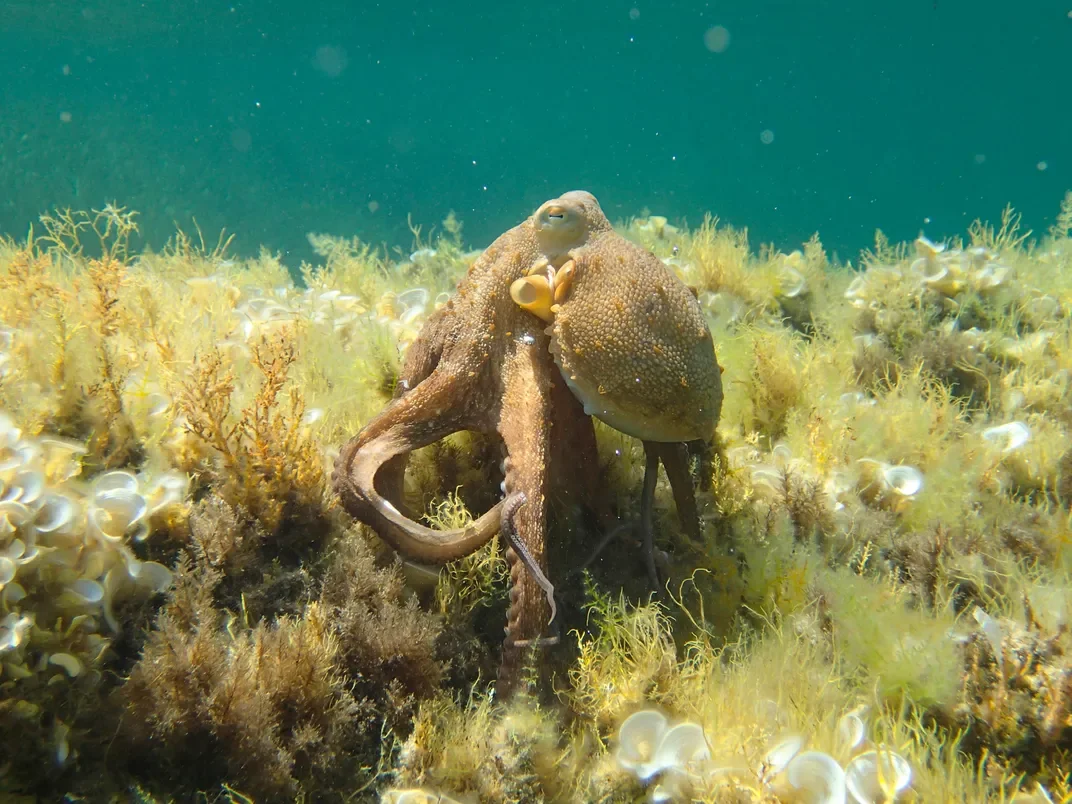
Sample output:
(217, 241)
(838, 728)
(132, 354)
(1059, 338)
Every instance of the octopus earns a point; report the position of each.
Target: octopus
(560, 319)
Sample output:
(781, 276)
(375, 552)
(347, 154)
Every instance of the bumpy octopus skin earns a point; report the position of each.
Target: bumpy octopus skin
(481, 363)
(632, 343)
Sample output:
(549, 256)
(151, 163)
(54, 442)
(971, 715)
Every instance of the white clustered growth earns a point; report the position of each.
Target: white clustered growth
(66, 555)
(257, 315)
(677, 758)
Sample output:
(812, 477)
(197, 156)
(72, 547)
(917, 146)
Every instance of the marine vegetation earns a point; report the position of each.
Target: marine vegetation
(869, 603)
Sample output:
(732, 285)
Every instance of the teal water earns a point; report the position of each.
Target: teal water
(276, 118)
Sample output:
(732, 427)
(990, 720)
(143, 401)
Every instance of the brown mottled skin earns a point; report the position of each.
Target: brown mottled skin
(633, 345)
(482, 363)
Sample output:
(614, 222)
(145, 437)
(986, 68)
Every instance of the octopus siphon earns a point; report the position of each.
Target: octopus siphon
(627, 342)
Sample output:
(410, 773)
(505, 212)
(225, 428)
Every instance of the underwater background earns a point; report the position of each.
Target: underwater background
(851, 227)
(273, 118)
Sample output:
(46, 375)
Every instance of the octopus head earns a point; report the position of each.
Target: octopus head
(566, 222)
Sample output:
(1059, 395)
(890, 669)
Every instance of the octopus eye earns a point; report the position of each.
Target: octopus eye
(561, 226)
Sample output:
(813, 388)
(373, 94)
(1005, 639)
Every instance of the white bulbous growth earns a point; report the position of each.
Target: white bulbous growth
(817, 777)
(1008, 437)
(878, 776)
(639, 739)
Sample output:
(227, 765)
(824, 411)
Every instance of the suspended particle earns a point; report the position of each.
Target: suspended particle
(716, 39)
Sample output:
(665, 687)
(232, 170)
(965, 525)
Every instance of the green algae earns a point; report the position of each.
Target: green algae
(295, 658)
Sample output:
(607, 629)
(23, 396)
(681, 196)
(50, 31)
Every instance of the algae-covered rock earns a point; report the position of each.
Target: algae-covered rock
(880, 593)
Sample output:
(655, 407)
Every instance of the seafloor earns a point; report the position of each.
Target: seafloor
(878, 608)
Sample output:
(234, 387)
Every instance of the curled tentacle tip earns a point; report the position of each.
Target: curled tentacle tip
(510, 535)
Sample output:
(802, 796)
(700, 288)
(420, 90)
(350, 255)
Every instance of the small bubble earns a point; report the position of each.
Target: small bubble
(330, 60)
(634, 13)
(926, 220)
(1042, 165)
(66, 69)
(65, 117)
(373, 206)
(980, 158)
(766, 136)
(716, 39)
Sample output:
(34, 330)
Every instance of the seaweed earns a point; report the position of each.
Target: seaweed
(265, 463)
(885, 530)
(265, 707)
